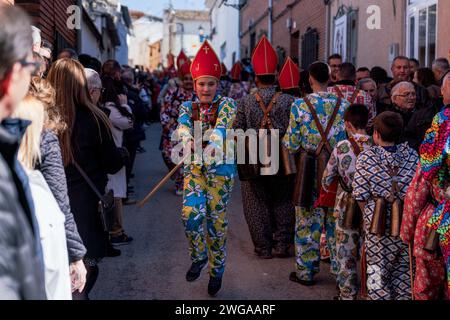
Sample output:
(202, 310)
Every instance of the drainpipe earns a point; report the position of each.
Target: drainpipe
(327, 30)
(270, 19)
(79, 42)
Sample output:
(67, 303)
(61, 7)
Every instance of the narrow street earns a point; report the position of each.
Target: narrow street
(154, 265)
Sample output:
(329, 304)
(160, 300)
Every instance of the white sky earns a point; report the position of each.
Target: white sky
(156, 7)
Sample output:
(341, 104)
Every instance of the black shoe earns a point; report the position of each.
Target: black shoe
(111, 251)
(293, 277)
(121, 240)
(214, 285)
(195, 270)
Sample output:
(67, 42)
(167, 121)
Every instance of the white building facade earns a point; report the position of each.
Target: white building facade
(224, 31)
(183, 29)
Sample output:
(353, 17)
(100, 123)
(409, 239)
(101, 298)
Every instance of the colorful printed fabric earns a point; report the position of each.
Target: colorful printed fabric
(361, 98)
(387, 257)
(224, 88)
(342, 163)
(308, 229)
(207, 188)
(169, 121)
(302, 131)
(237, 91)
(226, 117)
(429, 281)
(206, 196)
(435, 161)
(347, 248)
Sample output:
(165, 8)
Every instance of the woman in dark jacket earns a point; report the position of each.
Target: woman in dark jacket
(88, 142)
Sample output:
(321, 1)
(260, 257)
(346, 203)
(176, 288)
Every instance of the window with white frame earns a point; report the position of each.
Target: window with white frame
(421, 31)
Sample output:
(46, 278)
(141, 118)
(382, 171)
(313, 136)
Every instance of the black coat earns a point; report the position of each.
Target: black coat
(97, 155)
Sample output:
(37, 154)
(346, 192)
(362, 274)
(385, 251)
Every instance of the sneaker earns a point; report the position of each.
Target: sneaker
(195, 270)
(214, 285)
(293, 277)
(111, 251)
(121, 240)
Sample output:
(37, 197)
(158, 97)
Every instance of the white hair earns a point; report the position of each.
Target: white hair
(36, 34)
(93, 78)
(364, 81)
(400, 85)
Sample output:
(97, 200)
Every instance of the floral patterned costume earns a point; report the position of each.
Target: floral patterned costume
(342, 163)
(237, 91)
(207, 188)
(303, 133)
(169, 121)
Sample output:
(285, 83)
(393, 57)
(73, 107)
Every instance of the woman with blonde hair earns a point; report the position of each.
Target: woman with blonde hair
(51, 167)
(88, 153)
(49, 216)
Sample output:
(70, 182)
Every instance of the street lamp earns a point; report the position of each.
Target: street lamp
(201, 33)
(237, 6)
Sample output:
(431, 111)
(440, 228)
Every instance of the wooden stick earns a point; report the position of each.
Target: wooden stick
(410, 252)
(161, 183)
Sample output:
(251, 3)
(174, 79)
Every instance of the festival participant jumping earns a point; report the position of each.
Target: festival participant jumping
(207, 184)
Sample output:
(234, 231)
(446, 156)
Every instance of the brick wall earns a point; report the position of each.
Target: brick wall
(51, 17)
(306, 14)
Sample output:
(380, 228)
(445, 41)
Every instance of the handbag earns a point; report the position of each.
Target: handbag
(106, 201)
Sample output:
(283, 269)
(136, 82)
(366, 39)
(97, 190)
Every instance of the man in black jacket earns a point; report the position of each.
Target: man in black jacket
(21, 261)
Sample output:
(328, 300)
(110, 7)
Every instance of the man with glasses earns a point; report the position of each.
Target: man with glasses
(415, 121)
(335, 62)
(401, 72)
(21, 262)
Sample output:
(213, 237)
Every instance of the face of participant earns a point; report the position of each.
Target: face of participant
(206, 88)
(188, 83)
(405, 98)
(400, 70)
(371, 89)
(335, 64)
(412, 67)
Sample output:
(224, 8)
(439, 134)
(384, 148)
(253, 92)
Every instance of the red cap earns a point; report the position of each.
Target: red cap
(264, 58)
(206, 63)
(224, 69)
(236, 71)
(181, 59)
(289, 76)
(170, 60)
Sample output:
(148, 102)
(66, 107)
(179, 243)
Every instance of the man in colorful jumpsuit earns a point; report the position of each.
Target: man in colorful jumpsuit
(303, 133)
(207, 184)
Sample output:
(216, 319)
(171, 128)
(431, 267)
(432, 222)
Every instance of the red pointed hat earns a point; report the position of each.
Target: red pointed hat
(236, 71)
(181, 59)
(289, 76)
(170, 60)
(264, 58)
(206, 63)
(224, 69)
(185, 68)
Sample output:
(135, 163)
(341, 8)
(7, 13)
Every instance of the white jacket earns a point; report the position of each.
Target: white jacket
(53, 238)
(118, 181)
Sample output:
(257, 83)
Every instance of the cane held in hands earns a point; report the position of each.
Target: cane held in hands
(161, 183)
